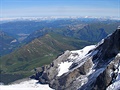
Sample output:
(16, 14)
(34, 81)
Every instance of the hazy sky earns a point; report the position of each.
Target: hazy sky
(21, 8)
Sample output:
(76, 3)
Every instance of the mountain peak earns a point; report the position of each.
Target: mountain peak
(110, 47)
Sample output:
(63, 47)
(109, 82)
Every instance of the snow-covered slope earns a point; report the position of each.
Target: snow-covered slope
(26, 85)
(114, 86)
(75, 56)
(80, 54)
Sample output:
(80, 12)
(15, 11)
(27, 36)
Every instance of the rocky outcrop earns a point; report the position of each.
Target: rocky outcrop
(49, 72)
(110, 48)
(108, 60)
(108, 76)
(67, 80)
(95, 70)
(86, 67)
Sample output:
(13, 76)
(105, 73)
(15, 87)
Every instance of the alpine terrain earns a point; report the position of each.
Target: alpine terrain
(7, 43)
(95, 67)
(30, 44)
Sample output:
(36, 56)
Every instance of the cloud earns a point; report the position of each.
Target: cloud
(63, 11)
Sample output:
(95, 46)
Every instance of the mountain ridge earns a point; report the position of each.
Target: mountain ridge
(37, 53)
(96, 70)
(8, 43)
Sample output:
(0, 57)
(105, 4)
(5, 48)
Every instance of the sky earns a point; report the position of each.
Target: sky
(41, 8)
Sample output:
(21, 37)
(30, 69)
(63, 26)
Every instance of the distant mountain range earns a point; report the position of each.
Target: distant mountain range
(54, 18)
(91, 30)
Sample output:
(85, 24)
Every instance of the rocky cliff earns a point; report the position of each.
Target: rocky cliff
(95, 67)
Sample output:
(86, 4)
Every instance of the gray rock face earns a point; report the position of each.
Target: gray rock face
(67, 80)
(105, 76)
(107, 60)
(85, 68)
(108, 76)
(110, 48)
(95, 70)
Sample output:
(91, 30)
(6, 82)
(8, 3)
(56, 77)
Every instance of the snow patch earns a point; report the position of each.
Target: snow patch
(28, 50)
(94, 52)
(110, 72)
(26, 85)
(13, 41)
(64, 67)
(118, 27)
(118, 54)
(81, 53)
(114, 86)
(83, 81)
(101, 42)
(91, 70)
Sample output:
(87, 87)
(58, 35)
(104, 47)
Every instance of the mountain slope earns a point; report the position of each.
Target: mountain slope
(94, 67)
(92, 31)
(7, 43)
(37, 53)
(87, 29)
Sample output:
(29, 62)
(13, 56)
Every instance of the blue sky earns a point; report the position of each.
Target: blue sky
(32, 8)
